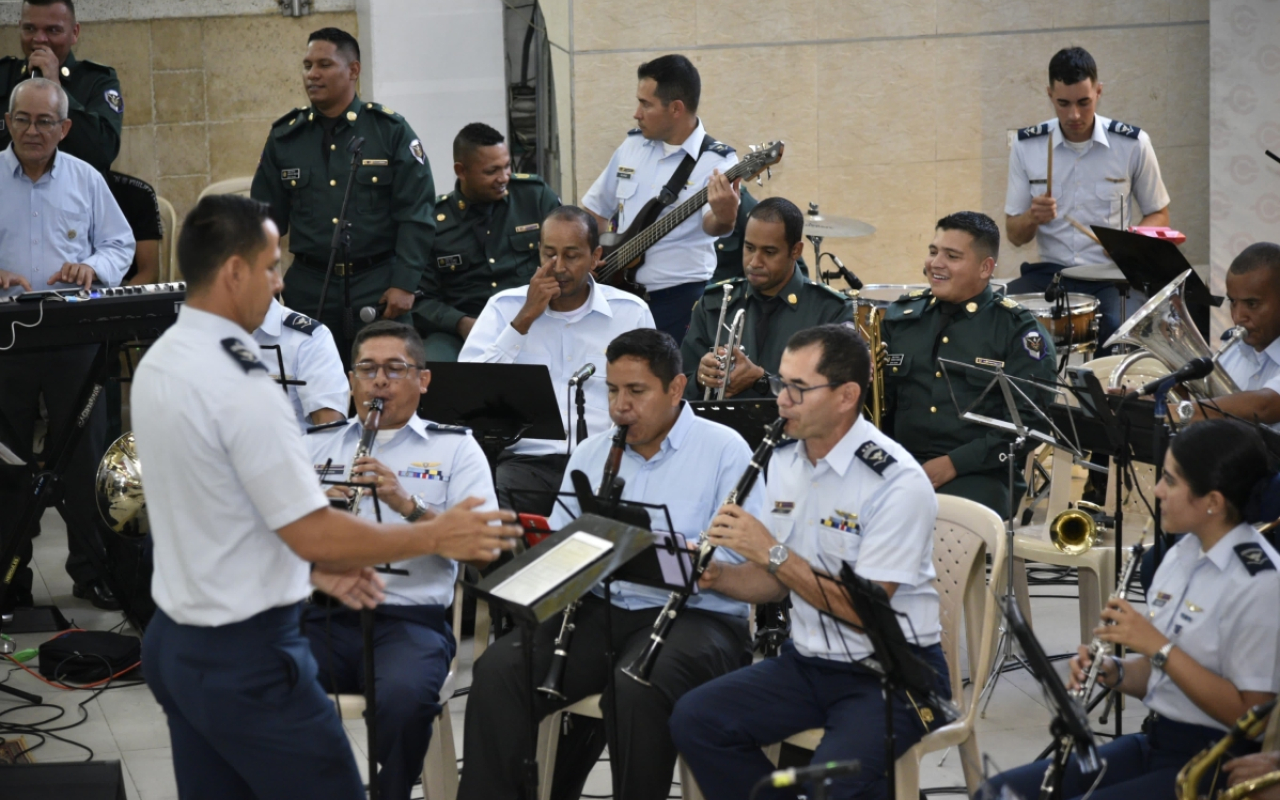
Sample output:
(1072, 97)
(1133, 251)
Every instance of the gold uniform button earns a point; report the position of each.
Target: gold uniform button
(293, 183)
(933, 409)
(439, 217)
(491, 261)
(332, 146)
(375, 178)
(937, 374)
(720, 246)
(351, 116)
(945, 340)
(335, 220)
(494, 285)
(895, 369)
(335, 183)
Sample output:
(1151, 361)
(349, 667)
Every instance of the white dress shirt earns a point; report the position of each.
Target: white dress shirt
(440, 465)
(877, 519)
(310, 355)
(697, 465)
(1219, 608)
(67, 216)
(635, 175)
(225, 469)
(563, 342)
(1097, 187)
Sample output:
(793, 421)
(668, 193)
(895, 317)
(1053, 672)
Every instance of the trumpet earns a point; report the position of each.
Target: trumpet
(371, 422)
(609, 492)
(727, 360)
(640, 669)
(715, 348)
(1247, 727)
(1097, 647)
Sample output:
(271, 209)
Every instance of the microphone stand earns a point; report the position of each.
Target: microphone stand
(341, 242)
(580, 400)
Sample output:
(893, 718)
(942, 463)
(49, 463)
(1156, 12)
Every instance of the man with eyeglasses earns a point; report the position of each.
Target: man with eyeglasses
(417, 470)
(48, 30)
(674, 458)
(60, 228)
(841, 494)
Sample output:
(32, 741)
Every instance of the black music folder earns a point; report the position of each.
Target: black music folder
(498, 401)
(1151, 264)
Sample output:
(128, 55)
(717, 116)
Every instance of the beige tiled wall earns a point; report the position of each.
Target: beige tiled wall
(200, 94)
(897, 111)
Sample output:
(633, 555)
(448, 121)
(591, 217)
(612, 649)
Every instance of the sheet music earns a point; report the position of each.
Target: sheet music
(559, 564)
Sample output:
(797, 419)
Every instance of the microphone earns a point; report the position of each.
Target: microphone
(1194, 369)
(1054, 290)
(355, 145)
(584, 372)
(797, 775)
(370, 313)
(36, 73)
(844, 272)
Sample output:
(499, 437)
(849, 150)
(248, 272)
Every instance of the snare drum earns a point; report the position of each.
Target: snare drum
(1078, 329)
(880, 295)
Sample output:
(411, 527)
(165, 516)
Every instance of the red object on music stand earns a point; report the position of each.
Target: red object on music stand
(1168, 234)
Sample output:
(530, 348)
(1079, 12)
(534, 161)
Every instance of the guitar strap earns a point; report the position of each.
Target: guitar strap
(671, 191)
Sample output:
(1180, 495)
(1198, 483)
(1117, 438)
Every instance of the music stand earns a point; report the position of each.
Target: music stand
(1070, 726)
(1150, 264)
(750, 417)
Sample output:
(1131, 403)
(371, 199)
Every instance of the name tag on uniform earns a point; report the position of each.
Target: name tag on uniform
(533, 226)
(449, 261)
(625, 172)
(290, 174)
(895, 359)
(375, 162)
(1038, 180)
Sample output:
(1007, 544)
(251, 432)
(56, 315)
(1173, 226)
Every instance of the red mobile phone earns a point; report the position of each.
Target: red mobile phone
(536, 528)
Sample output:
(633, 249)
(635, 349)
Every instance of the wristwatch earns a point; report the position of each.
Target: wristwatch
(1161, 656)
(762, 384)
(777, 555)
(419, 510)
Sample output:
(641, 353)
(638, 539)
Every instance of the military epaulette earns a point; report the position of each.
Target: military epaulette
(822, 287)
(243, 356)
(784, 443)
(95, 65)
(913, 295)
(1010, 304)
(301, 322)
(908, 305)
(382, 109)
(720, 149)
(875, 457)
(1124, 129)
(633, 132)
(442, 198)
(528, 177)
(290, 118)
(1253, 557)
(436, 426)
(1033, 131)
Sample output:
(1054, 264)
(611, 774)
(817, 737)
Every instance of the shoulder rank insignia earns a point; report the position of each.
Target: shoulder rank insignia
(442, 198)
(720, 149)
(1007, 303)
(633, 132)
(915, 293)
(1033, 343)
(301, 322)
(874, 456)
(435, 426)
(1254, 558)
(1033, 131)
(242, 355)
(1124, 129)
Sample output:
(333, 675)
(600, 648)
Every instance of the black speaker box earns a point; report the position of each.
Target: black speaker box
(95, 780)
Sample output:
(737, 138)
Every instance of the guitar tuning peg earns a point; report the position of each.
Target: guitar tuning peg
(768, 171)
(754, 147)
(759, 181)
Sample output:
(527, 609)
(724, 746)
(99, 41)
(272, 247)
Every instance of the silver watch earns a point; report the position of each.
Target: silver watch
(1161, 656)
(419, 510)
(777, 555)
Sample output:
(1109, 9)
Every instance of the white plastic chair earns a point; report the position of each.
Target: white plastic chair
(238, 186)
(964, 533)
(168, 241)
(440, 768)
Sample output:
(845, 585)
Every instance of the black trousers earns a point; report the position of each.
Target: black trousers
(528, 484)
(59, 374)
(702, 646)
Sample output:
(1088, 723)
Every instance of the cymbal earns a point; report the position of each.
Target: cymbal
(831, 227)
(1108, 273)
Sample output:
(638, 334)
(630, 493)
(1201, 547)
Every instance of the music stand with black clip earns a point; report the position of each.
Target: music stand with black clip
(1009, 386)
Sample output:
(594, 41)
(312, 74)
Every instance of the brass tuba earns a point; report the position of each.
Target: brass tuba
(1164, 329)
(869, 327)
(1075, 531)
(118, 489)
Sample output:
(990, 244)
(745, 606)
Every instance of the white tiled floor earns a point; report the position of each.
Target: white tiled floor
(126, 724)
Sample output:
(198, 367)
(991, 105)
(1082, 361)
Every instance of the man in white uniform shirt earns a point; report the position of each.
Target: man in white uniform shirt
(668, 132)
(562, 319)
(846, 494)
(308, 353)
(417, 469)
(236, 514)
(60, 228)
(1102, 168)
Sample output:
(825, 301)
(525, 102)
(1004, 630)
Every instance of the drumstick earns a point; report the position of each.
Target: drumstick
(1081, 228)
(1048, 182)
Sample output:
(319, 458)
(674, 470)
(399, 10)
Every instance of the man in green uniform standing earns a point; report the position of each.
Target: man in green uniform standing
(960, 319)
(49, 30)
(487, 233)
(303, 174)
(779, 300)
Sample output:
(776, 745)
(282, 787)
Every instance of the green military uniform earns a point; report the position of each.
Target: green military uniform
(987, 331)
(95, 107)
(729, 246)
(798, 305)
(303, 174)
(480, 249)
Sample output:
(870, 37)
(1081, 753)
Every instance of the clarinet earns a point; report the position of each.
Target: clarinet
(372, 421)
(640, 669)
(610, 492)
(1097, 647)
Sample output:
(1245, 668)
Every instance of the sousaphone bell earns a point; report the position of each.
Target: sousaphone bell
(118, 490)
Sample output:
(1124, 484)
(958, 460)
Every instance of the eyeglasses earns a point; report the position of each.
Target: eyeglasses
(395, 370)
(44, 125)
(794, 393)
